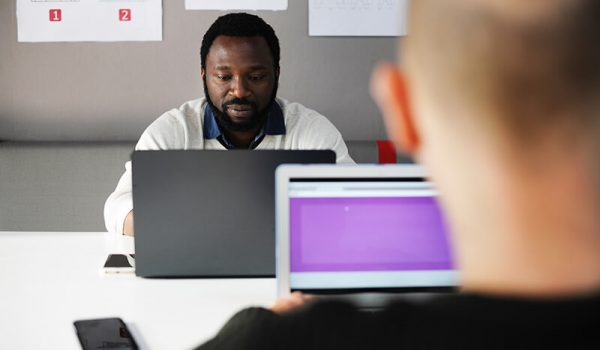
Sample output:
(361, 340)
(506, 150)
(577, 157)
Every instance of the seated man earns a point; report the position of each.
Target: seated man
(500, 102)
(240, 70)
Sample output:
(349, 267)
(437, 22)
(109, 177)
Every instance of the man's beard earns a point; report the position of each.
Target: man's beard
(257, 118)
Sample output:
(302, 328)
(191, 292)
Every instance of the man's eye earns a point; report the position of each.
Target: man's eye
(223, 77)
(257, 77)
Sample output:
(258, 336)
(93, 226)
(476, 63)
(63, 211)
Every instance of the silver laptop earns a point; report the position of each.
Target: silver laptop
(367, 233)
(208, 213)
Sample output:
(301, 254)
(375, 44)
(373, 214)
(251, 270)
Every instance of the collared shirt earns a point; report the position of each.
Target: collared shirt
(274, 125)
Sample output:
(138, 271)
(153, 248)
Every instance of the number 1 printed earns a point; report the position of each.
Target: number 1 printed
(55, 15)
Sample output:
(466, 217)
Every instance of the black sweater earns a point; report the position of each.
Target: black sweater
(449, 322)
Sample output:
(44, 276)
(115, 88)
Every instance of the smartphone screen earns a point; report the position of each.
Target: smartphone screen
(105, 333)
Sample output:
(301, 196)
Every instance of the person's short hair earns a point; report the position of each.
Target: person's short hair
(531, 65)
(240, 25)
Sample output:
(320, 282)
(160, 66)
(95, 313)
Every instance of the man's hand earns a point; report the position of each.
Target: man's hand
(291, 302)
(128, 224)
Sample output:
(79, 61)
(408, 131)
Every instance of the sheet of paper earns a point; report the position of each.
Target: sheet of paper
(357, 17)
(275, 5)
(89, 20)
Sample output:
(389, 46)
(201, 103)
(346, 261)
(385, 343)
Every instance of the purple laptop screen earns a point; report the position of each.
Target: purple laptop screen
(367, 234)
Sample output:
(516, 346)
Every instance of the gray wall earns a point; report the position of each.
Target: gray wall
(112, 91)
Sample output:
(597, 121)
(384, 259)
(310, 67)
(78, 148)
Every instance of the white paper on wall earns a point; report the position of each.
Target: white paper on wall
(89, 20)
(275, 5)
(357, 17)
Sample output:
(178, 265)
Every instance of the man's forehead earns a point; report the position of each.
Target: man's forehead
(254, 47)
(248, 67)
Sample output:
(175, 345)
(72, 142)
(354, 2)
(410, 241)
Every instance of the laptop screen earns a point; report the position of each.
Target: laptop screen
(367, 234)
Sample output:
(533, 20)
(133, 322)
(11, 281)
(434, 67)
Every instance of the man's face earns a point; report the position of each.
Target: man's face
(240, 81)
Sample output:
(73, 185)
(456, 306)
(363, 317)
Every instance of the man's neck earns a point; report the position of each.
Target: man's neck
(539, 232)
(242, 139)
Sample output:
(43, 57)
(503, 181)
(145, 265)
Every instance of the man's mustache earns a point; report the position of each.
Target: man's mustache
(240, 101)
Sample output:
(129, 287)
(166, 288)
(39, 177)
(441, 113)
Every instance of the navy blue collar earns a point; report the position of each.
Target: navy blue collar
(274, 125)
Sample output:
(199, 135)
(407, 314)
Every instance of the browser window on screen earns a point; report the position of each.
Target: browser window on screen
(377, 233)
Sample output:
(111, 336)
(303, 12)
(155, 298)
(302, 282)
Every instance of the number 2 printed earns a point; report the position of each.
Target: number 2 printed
(124, 15)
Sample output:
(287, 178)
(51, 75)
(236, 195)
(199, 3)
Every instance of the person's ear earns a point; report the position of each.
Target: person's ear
(389, 89)
(202, 73)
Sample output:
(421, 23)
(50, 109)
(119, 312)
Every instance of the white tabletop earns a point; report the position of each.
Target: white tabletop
(50, 279)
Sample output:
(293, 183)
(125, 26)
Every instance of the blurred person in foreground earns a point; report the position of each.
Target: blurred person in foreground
(500, 102)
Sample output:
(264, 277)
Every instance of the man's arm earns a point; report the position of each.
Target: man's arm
(166, 132)
(293, 324)
(249, 329)
(119, 204)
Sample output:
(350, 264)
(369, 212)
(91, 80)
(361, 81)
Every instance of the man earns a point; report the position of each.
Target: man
(240, 70)
(500, 101)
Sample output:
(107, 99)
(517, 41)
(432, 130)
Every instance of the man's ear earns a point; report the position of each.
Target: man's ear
(202, 73)
(389, 89)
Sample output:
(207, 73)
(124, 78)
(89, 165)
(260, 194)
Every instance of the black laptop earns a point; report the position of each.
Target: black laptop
(208, 213)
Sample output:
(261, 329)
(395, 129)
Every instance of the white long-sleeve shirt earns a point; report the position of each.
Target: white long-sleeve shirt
(183, 129)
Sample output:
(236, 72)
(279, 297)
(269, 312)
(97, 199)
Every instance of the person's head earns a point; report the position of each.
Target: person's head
(518, 78)
(240, 69)
(500, 101)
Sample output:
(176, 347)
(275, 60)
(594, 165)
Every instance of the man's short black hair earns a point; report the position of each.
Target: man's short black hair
(240, 25)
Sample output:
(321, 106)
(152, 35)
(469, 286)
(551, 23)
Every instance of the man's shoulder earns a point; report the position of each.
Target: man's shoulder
(493, 322)
(297, 115)
(175, 127)
(296, 109)
(189, 112)
(192, 108)
(488, 312)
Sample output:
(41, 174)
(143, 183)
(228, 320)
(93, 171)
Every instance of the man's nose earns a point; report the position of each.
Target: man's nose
(239, 87)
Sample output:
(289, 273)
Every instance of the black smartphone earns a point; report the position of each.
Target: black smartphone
(119, 263)
(104, 333)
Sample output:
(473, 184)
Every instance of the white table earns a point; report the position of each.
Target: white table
(50, 279)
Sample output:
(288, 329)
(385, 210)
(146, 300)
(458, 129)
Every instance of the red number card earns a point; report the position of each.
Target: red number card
(125, 15)
(55, 15)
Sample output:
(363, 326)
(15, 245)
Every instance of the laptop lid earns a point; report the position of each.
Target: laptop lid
(208, 213)
(360, 229)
